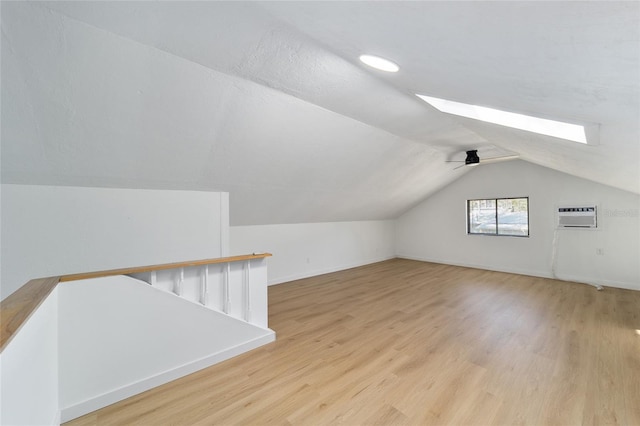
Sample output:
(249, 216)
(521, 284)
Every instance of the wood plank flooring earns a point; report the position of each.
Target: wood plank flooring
(406, 342)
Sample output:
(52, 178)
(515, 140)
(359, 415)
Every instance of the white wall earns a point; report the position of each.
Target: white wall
(307, 249)
(119, 336)
(435, 230)
(48, 230)
(29, 370)
(82, 106)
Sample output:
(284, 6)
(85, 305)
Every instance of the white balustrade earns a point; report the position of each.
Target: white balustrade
(64, 311)
(237, 288)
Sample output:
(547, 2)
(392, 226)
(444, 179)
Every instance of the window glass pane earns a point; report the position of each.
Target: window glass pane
(482, 216)
(513, 216)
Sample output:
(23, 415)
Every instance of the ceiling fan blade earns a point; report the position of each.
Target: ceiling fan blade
(454, 161)
(497, 159)
(461, 165)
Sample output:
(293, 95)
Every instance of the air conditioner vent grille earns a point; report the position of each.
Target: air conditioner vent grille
(577, 217)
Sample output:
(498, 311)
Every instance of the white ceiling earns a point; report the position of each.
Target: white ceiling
(268, 101)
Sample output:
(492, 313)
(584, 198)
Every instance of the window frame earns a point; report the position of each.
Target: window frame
(496, 234)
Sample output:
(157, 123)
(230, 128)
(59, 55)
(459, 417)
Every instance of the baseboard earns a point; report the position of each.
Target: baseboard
(600, 282)
(322, 271)
(532, 273)
(57, 419)
(100, 401)
(518, 271)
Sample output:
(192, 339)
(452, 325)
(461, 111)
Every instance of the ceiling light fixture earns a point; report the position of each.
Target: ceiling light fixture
(557, 129)
(379, 63)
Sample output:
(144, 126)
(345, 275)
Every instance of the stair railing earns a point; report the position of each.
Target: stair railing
(18, 307)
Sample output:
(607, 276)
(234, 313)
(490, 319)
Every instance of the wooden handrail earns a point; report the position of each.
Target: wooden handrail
(138, 269)
(18, 307)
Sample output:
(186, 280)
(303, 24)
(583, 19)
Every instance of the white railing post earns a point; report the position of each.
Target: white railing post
(178, 286)
(227, 296)
(152, 279)
(204, 289)
(247, 292)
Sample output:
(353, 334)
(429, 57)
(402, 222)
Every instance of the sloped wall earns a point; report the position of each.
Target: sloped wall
(82, 106)
(49, 230)
(435, 230)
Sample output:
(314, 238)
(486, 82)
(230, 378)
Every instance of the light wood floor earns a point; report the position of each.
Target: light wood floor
(405, 342)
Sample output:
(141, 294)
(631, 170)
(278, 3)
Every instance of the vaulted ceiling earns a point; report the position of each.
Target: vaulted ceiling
(267, 100)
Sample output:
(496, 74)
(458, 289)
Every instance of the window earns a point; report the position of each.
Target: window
(498, 216)
(557, 129)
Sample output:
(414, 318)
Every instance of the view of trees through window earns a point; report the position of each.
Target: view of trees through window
(498, 216)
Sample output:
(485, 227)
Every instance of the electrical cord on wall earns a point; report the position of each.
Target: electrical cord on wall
(554, 248)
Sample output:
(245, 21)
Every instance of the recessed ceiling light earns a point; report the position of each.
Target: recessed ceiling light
(558, 129)
(379, 63)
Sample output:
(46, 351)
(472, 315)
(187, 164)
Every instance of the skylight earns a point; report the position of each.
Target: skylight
(379, 63)
(542, 126)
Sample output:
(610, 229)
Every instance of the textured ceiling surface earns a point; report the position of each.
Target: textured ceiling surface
(267, 100)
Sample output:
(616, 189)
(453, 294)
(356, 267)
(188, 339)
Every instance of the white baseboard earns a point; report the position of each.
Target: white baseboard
(57, 419)
(322, 271)
(100, 401)
(532, 273)
(518, 271)
(600, 282)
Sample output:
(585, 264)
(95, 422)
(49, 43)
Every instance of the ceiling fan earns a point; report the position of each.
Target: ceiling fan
(473, 159)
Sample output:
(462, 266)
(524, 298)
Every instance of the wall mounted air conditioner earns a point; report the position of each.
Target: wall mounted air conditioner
(578, 217)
